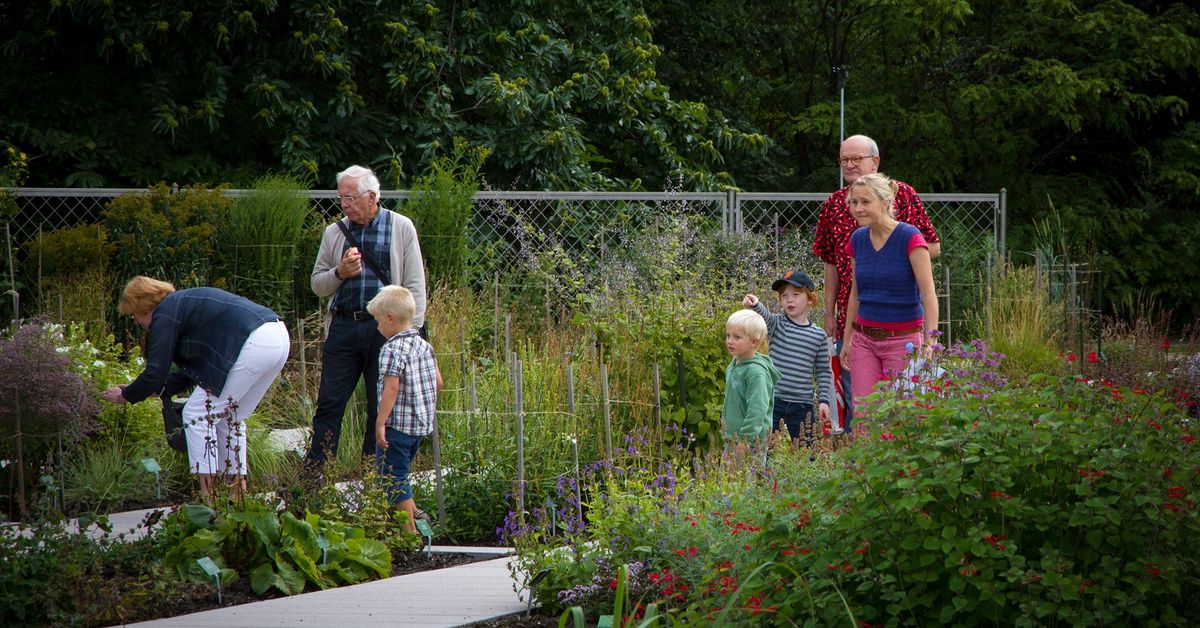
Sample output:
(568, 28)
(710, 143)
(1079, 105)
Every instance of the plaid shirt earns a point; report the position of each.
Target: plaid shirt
(410, 358)
(835, 224)
(376, 240)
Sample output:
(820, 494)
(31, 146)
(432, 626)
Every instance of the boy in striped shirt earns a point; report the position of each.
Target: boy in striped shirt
(798, 349)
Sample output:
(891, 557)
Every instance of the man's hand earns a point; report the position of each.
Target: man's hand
(844, 356)
(351, 265)
(830, 323)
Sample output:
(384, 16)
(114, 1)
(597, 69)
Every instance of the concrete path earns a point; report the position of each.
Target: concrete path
(445, 597)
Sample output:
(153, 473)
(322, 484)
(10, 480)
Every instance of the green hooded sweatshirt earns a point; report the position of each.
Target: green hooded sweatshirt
(750, 397)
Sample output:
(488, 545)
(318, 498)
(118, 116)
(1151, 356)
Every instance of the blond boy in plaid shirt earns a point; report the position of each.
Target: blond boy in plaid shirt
(407, 389)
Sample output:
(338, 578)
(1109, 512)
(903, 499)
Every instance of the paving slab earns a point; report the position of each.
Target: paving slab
(454, 596)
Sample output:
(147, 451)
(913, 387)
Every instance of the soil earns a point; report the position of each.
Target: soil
(192, 598)
(535, 619)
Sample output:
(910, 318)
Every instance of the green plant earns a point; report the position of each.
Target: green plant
(258, 240)
(275, 550)
(440, 205)
(104, 477)
(1063, 500)
(40, 587)
(1022, 322)
(165, 234)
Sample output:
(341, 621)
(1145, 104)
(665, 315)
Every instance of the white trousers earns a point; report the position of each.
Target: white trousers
(216, 426)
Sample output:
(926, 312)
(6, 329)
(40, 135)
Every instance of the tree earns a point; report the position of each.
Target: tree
(564, 94)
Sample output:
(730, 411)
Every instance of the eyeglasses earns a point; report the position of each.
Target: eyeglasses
(351, 198)
(846, 161)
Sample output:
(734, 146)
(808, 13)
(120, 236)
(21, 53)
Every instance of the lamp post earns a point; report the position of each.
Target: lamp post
(840, 71)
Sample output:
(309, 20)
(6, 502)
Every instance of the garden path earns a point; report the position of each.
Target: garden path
(445, 597)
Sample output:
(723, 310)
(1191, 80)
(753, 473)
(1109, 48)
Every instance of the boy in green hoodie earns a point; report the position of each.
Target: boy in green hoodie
(749, 382)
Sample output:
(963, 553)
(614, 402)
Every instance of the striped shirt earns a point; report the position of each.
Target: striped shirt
(376, 240)
(410, 358)
(801, 355)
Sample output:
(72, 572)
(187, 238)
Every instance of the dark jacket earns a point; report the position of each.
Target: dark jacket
(201, 331)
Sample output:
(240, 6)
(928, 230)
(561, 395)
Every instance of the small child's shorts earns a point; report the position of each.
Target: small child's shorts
(392, 464)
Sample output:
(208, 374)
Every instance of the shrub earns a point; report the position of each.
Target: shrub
(1061, 502)
(41, 401)
(164, 235)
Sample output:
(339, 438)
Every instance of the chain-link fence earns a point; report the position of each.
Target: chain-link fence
(508, 227)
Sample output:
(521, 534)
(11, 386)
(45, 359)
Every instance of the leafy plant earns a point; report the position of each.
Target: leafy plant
(276, 550)
(1063, 500)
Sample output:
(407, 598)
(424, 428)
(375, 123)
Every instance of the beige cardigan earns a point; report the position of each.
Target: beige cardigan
(405, 261)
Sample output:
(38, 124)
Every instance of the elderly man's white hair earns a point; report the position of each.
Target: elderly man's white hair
(872, 147)
(367, 181)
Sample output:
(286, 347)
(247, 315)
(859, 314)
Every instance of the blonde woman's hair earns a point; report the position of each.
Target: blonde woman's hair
(749, 323)
(395, 300)
(142, 294)
(881, 187)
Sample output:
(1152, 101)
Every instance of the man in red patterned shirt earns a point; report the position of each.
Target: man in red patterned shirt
(859, 155)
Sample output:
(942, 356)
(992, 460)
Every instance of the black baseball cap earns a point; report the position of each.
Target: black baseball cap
(796, 278)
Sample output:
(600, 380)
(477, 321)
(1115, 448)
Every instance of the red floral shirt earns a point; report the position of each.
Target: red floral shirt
(835, 224)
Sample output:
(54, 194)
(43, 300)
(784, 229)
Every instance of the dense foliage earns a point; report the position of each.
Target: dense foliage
(1083, 108)
(564, 94)
(966, 501)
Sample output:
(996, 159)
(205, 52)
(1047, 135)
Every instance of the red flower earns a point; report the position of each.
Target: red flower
(1071, 357)
(1092, 358)
(887, 436)
(1187, 438)
(1176, 492)
(1165, 344)
(1154, 424)
(805, 550)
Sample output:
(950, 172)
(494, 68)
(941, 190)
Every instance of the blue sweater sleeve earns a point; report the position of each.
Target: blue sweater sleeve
(164, 334)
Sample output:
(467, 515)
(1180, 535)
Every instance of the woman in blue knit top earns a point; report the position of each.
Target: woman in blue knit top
(892, 301)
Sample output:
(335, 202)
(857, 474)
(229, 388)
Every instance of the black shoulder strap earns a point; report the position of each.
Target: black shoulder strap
(366, 255)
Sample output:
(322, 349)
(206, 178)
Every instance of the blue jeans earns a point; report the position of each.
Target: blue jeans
(351, 352)
(392, 464)
(794, 415)
(847, 392)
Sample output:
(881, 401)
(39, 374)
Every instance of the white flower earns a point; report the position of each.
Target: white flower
(98, 363)
(62, 349)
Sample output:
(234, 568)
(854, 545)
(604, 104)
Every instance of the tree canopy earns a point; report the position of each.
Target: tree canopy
(1081, 109)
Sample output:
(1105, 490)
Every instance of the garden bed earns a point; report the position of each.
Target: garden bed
(189, 598)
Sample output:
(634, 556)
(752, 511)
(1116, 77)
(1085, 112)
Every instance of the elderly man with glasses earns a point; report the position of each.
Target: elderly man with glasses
(859, 156)
(371, 248)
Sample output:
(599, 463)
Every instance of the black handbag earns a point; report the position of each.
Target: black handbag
(172, 413)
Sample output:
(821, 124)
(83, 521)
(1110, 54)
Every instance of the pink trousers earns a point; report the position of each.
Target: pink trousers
(873, 361)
